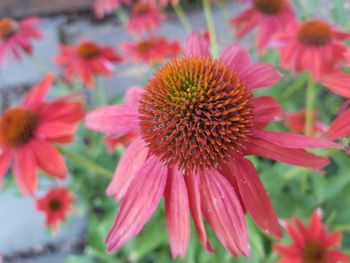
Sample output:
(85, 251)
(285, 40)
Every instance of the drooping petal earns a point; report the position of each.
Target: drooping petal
(254, 196)
(337, 82)
(133, 96)
(118, 119)
(223, 212)
(297, 236)
(260, 75)
(5, 160)
(128, 167)
(197, 45)
(340, 126)
(25, 170)
(260, 147)
(192, 183)
(295, 141)
(289, 251)
(336, 256)
(37, 94)
(138, 204)
(333, 239)
(49, 158)
(177, 213)
(236, 57)
(266, 110)
(54, 130)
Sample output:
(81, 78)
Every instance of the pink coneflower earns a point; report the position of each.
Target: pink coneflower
(152, 50)
(197, 119)
(86, 60)
(16, 36)
(56, 204)
(143, 18)
(104, 7)
(312, 243)
(27, 133)
(314, 46)
(268, 16)
(162, 3)
(296, 123)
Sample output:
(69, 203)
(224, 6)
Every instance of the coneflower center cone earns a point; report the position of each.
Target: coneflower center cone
(88, 50)
(314, 253)
(141, 9)
(17, 126)
(315, 33)
(195, 113)
(144, 46)
(55, 205)
(7, 27)
(269, 7)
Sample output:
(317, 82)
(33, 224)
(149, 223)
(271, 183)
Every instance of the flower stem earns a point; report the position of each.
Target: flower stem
(180, 12)
(310, 101)
(211, 27)
(86, 163)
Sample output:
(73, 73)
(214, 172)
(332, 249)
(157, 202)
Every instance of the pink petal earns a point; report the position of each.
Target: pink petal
(333, 239)
(139, 203)
(295, 141)
(37, 94)
(340, 126)
(337, 256)
(5, 160)
(133, 96)
(25, 170)
(266, 110)
(276, 152)
(254, 196)
(289, 251)
(193, 182)
(223, 212)
(337, 82)
(296, 235)
(49, 158)
(117, 119)
(177, 213)
(53, 130)
(196, 45)
(236, 57)
(128, 167)
(260, 75)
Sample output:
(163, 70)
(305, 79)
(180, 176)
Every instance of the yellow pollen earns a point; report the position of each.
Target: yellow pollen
(315, 33)
(88, 50)
(17, 126)
(7, 27)
(269, 7)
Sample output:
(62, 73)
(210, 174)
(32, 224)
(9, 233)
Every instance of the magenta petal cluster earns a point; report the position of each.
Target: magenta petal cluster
(210, 180)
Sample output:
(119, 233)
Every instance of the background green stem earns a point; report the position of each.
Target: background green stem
(310, 101)
(211, 27)
(180, 12)
(87, 164)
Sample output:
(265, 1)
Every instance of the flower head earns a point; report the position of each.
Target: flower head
(103, 7)
(312, 243)
(144, 17)
(56, 204)
(86, 60)
(197, 118)
(314, 46)
(28, 131)
(16, 36)
(340, 127)
(162, 3)
(268, 16)
(154, 49)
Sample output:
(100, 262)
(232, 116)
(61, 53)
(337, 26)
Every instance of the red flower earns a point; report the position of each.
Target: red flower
(197, 119)
(296, 123)
(340, 127)
(16, 36)
(162, 3)
(314, 46)
(86, 60)
(154, 49)
(27, 133)
(268, 16)
(311, 243)
(143, 18)
(56, 204)
(103, 7)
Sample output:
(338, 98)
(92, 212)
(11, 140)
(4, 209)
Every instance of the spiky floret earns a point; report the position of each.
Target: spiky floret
(88, 50)
(315, 33)
(269, 7)
(195, 113)
(17, 126)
